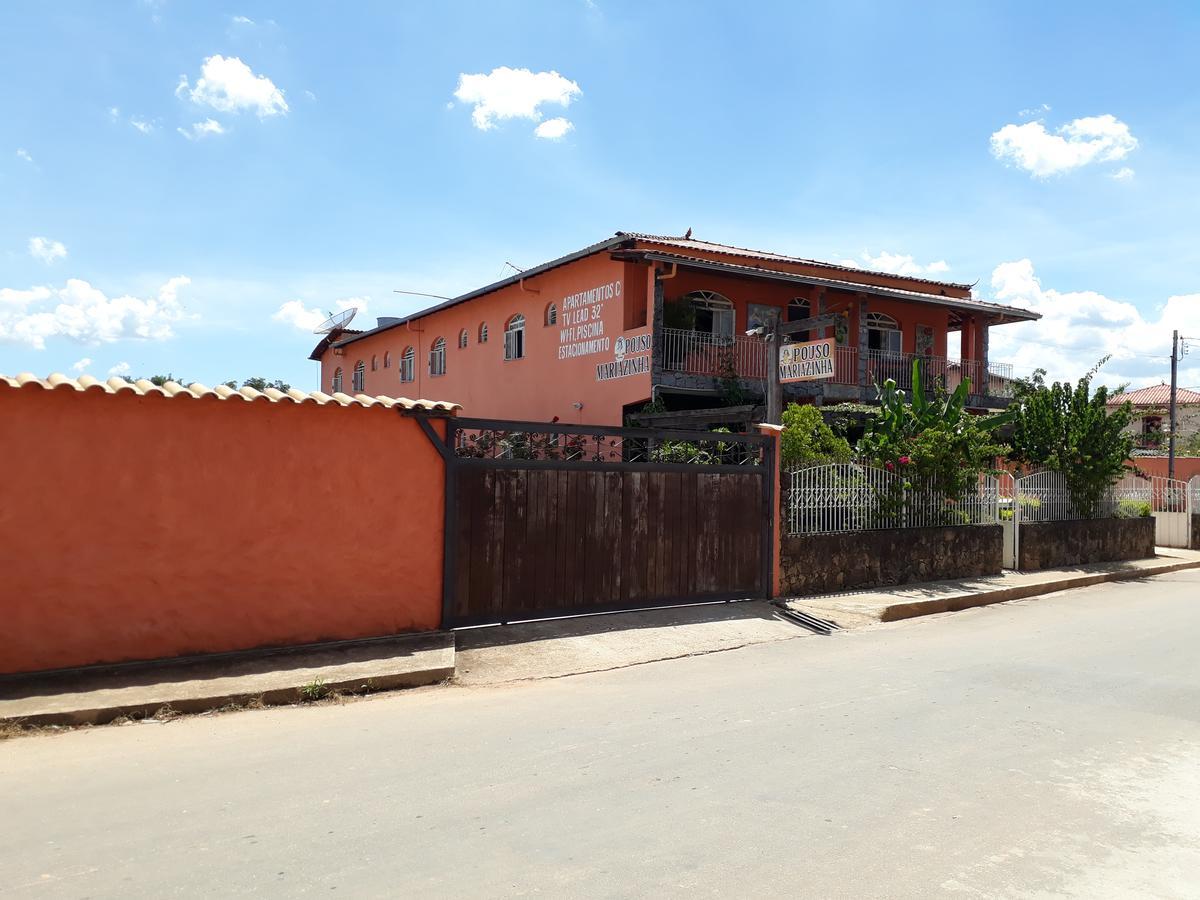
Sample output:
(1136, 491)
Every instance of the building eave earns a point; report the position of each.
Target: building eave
(1002, 312)
(607, 244)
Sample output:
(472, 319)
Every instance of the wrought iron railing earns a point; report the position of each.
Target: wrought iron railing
(531, 443)
(702, 353)
(843, 497)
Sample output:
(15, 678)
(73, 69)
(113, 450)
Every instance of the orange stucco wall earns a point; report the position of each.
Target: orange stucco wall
(138, 527)
(544, 383)
(742, 292)
(1186, 467)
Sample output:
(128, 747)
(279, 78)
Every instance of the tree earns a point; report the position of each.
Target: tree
(1072, 430)
(807, 439)
(261, 384)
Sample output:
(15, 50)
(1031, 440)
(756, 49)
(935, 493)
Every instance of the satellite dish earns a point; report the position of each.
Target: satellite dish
(336, 322)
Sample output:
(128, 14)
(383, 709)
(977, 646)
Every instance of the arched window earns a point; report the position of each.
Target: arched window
(360, 376)
(883, 334)
(437, 357)
(483, 332)
(374, 362)
(714, 313)
(336, 387)
(407, 367)
(514, 337)
(387, 359)
(462, 338)
(799, 308)
(551, 314)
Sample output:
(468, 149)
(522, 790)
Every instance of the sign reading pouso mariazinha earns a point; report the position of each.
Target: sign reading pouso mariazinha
(808, 361)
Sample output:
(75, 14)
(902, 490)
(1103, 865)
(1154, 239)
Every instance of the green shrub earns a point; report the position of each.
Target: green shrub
(1133, 509)
(807, 439)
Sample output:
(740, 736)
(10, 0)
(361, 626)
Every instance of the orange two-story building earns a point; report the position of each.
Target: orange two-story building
(596, 334)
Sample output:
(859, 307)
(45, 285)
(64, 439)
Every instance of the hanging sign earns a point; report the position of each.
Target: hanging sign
(808, 361)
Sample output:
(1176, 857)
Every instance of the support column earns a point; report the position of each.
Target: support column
(862, 345)
(775, 523)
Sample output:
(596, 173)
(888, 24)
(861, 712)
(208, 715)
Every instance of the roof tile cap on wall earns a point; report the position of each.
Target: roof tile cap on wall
(57, 380)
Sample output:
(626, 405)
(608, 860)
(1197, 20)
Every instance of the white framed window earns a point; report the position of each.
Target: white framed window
(360, 376)
(514, 337)
(714, 313)
(462, 338)
(407, 364)
(551, 314)
(387, 359)
(483, 332)
(884, 334)
(336, 386)
(437, 357)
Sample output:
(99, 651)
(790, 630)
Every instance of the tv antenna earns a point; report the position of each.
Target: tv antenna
(336, 321)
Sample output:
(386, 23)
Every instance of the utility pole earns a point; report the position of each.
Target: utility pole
(1174, 379)
(773, 333)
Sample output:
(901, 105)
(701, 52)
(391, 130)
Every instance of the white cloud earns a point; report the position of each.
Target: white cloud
(83, 313)
(82, 365)
(554, 129)
(24, 154)
(296, 314)
(228, 85)
(1078, 143)
(896, 264)
(114, 113)
(46, 250)
(1122, 174)
(141, 124)
(1079, 327)
(506, 93)
(121, 368)
(1035, 111)
(242, 20)
(202, 129)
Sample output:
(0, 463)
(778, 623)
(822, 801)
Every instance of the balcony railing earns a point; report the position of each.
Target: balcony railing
(702, 353)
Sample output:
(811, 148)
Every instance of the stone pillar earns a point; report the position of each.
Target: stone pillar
(657, 349)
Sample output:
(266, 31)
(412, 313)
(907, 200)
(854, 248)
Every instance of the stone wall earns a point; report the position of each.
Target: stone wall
(1049, 545)
(819, 563)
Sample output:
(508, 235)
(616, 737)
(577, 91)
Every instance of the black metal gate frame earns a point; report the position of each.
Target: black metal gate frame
(454, 463)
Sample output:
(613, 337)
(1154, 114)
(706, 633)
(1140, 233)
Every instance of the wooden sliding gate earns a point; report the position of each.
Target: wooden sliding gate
(545, 521)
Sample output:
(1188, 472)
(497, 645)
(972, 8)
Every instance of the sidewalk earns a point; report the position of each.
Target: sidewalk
(852, 609)
(99, 695)
(505, 654)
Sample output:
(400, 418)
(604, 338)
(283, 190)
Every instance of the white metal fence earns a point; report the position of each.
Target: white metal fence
(844, 497)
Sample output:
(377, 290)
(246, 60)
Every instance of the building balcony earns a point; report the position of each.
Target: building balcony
(699, 353)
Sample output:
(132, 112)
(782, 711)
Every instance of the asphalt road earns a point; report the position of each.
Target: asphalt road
(1048, 748)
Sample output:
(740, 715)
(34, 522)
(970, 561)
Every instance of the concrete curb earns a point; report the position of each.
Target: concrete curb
(959, 602)
(419, 660)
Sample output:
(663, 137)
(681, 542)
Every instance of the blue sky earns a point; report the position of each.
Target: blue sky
(182, 184)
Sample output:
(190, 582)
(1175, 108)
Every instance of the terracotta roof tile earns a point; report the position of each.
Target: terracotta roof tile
(1155, 395)
(689, 243)
(58, 381)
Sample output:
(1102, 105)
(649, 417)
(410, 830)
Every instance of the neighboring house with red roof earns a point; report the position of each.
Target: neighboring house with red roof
(593, 336)
(1152, 415)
